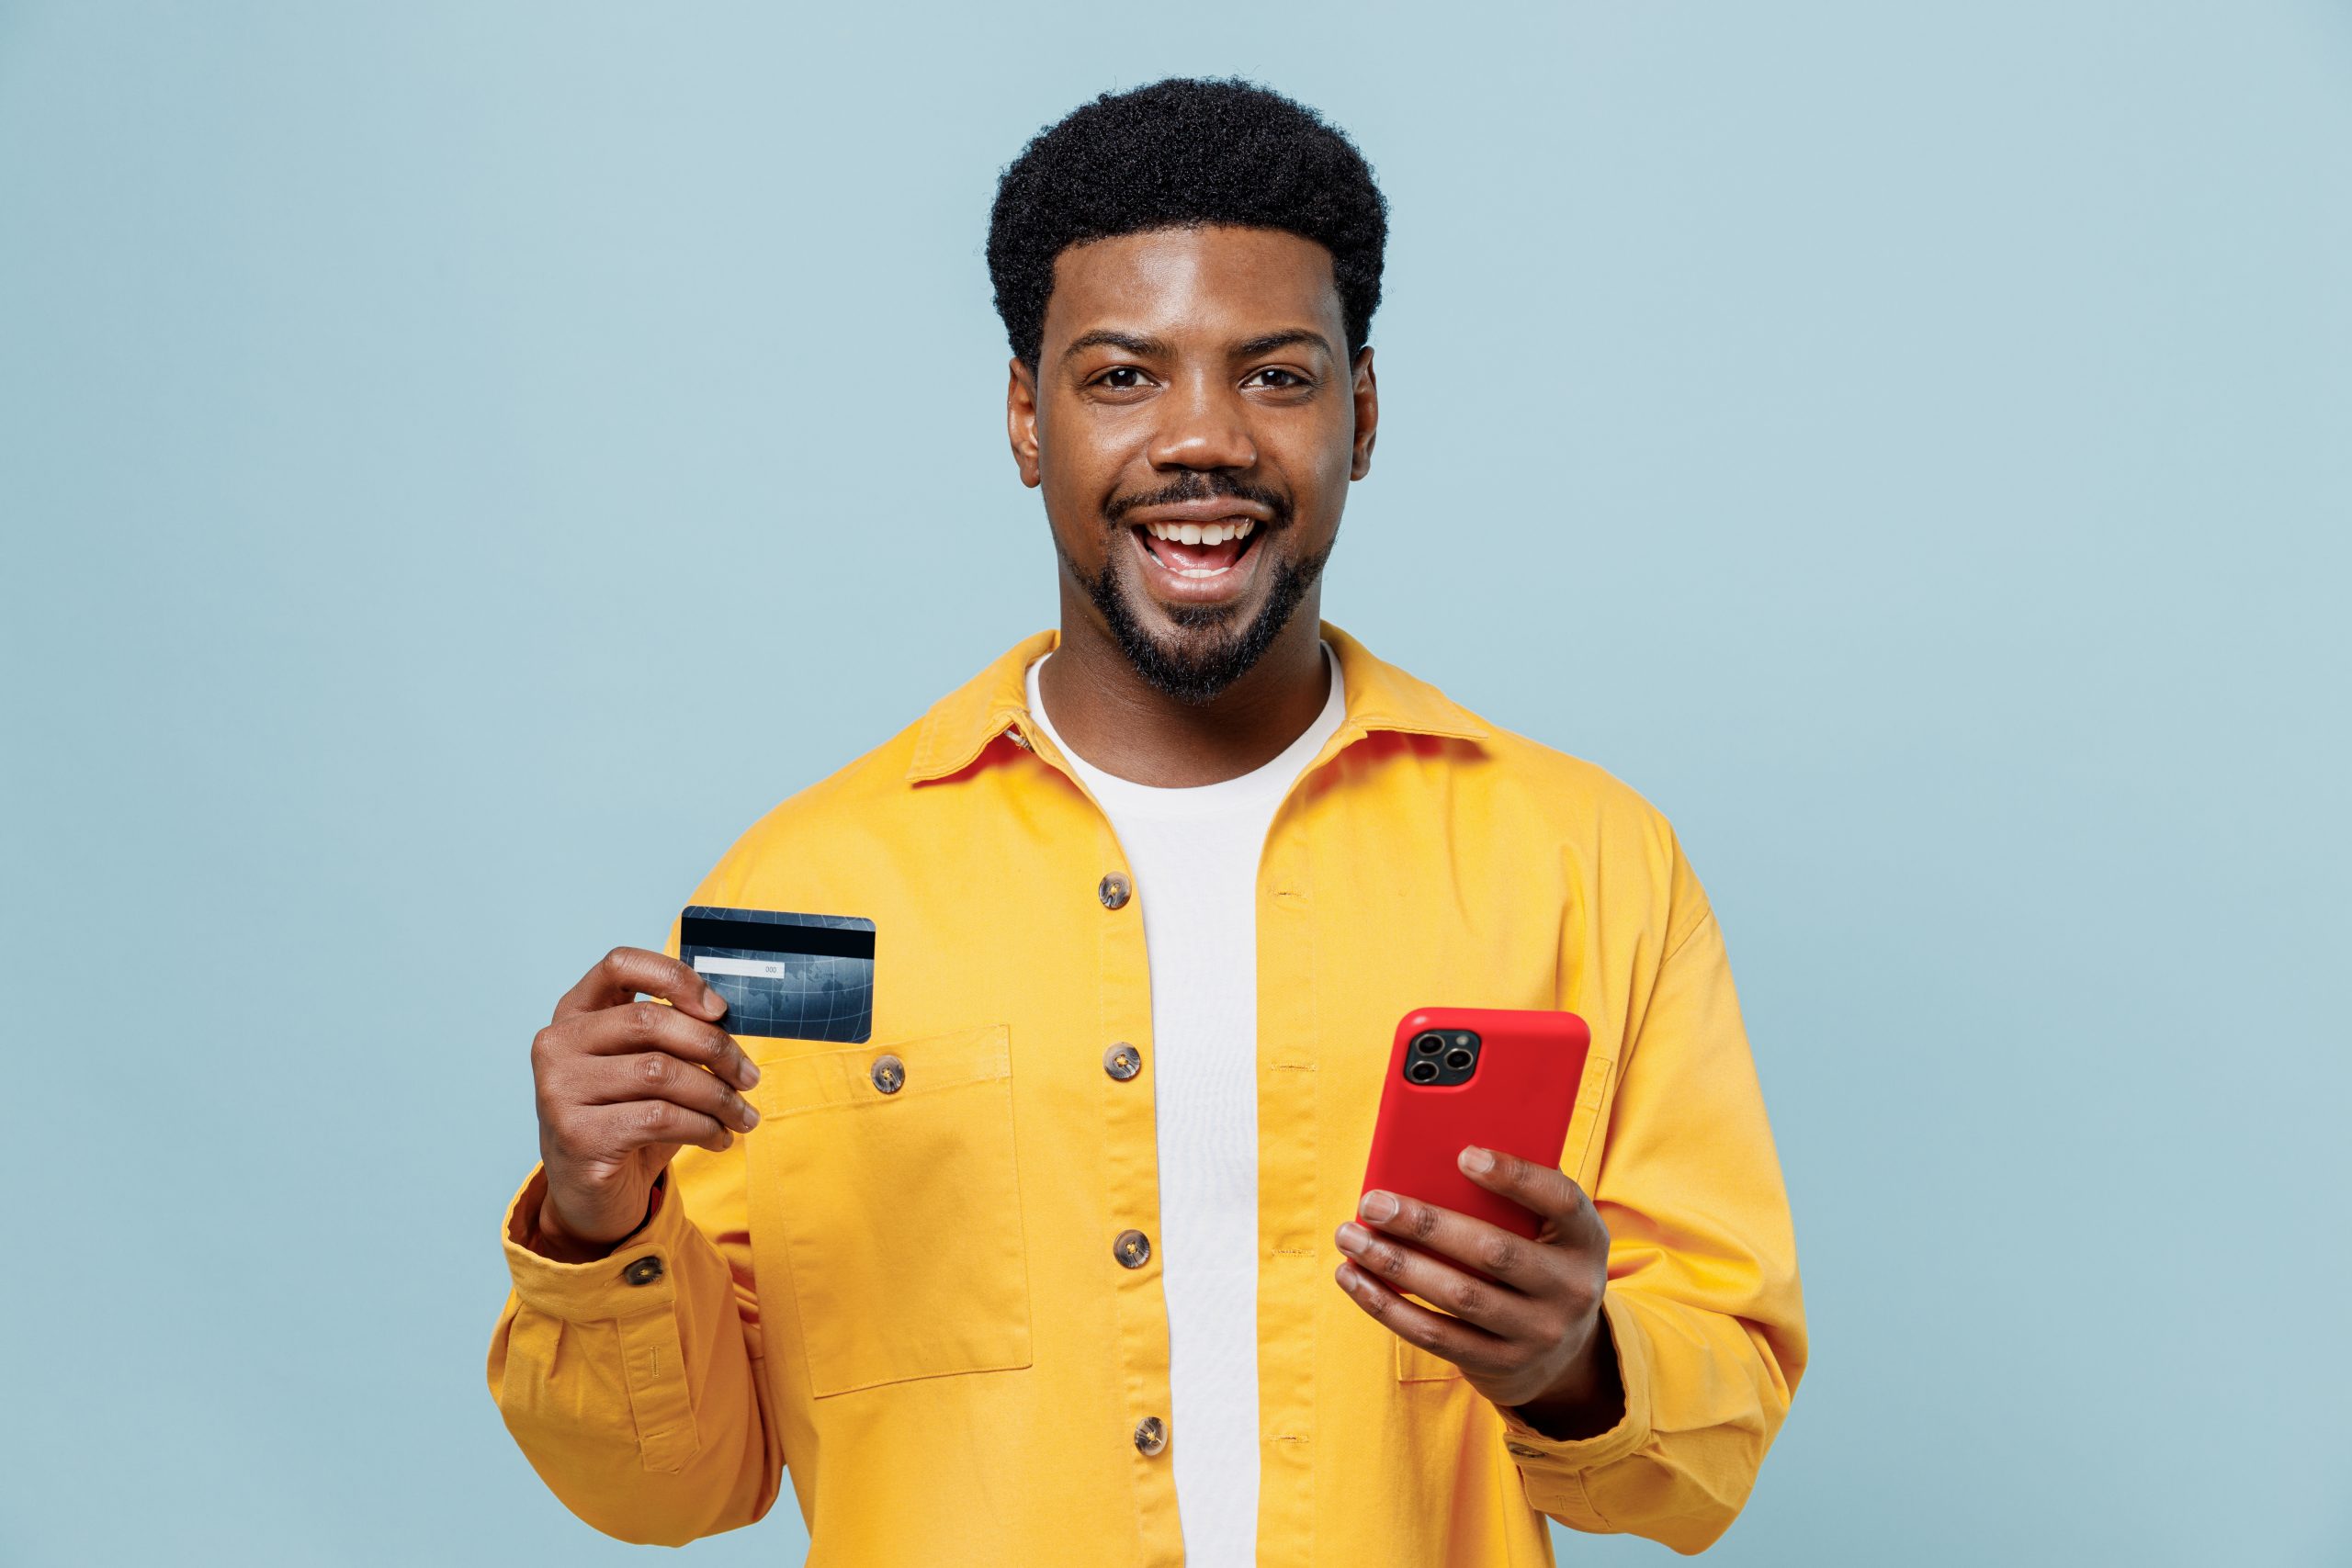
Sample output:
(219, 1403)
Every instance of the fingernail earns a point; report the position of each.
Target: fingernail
(1347, 1276)
(712, 1001)
(1378, 1206)
(751, 1074)
(750, 1118)
(1352, 1237)
(1476, 1160)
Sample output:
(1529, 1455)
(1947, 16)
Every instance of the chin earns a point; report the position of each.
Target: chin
(1193, 652)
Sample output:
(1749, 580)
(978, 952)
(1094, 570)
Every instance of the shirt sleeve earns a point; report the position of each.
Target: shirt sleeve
(635, 1383)
(1703, 1302)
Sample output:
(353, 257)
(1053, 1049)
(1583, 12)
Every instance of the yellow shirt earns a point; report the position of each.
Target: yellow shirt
(910, 1303)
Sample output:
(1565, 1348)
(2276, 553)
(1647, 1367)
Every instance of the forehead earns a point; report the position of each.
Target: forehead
(1213, 279)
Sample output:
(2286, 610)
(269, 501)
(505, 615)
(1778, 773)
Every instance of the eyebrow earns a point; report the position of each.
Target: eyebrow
(1284, 339)
(1103, 337)
(1150, 347)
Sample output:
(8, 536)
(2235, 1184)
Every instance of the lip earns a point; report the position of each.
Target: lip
(1216, 509)
(1169, 588)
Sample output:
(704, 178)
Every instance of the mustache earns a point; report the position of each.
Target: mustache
(1195, 485)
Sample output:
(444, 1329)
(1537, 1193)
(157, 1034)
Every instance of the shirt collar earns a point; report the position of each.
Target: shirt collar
(1378, 696)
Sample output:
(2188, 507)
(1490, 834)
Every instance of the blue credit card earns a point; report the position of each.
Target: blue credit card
(787, 975)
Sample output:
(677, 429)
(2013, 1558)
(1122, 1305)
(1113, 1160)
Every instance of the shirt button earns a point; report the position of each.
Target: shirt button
(1524, 1451)
(1113, 890)
(1133, 1248)
(1151, 1435)
(643, 1271)
(1122, 1061)
(889, 1074)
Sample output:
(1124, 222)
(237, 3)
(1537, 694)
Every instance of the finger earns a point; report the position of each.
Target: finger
(657, 1075)
(1513, 1259)
(1498, 1309)
(650, 1026)
(616, 1129)
(621, 973)
(1472, 1350)
(1545, 1190)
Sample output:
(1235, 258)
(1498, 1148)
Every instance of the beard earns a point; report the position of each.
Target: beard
(1194, 670)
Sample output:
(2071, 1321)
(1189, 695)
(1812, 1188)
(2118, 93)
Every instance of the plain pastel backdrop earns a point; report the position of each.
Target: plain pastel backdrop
(460, 464)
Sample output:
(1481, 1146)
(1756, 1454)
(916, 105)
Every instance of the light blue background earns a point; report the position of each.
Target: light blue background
(1907, 442)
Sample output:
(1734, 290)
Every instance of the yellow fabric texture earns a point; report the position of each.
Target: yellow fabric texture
(909, 1305)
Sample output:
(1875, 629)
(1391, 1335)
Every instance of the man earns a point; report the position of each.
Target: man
(1065, 1265)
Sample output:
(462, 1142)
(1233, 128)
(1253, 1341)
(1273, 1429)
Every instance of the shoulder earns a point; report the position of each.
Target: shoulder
(1526, 791)
(820, 824)
(1613, 837)
(863, 812)
(1574, 795)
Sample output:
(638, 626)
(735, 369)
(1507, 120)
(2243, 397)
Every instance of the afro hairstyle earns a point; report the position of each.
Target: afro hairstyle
(1182, 153)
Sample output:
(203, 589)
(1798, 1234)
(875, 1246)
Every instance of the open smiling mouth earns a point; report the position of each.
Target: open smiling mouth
(1201, 554)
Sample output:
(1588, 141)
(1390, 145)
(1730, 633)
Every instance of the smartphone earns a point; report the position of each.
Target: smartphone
(1500, 1078)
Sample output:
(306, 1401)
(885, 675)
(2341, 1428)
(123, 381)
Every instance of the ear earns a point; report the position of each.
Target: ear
(1367, 393)
(1021, 421)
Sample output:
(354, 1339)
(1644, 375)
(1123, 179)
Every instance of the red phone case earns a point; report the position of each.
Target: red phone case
(1518, 1099)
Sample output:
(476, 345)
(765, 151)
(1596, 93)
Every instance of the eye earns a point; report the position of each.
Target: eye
(1121, 379)
(1275, 378)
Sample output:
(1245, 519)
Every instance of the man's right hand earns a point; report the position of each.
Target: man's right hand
(622, 1087)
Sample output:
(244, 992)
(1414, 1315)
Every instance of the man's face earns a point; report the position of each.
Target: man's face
(1194, 380)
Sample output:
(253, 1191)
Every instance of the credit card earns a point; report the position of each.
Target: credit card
(787, 975)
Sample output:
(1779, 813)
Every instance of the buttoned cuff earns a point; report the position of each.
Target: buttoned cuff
(635, 1276)
(1554, 1467)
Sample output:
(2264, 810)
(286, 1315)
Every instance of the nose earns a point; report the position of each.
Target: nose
(1204, 425)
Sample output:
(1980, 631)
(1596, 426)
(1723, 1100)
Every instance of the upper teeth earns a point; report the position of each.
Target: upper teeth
(1201, 533)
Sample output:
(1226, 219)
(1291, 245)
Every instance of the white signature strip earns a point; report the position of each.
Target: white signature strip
(756, 968)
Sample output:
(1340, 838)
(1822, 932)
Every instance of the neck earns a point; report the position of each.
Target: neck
(1122, 724)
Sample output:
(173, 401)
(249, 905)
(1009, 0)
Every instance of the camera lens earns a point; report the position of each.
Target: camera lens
(1429, 1044)
(1421, 1071)
(1458, 1058)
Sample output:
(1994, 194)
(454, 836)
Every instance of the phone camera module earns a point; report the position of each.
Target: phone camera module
(1442, 1058)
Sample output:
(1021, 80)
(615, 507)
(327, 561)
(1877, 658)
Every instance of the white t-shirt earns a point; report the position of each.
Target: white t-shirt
(1195, 854)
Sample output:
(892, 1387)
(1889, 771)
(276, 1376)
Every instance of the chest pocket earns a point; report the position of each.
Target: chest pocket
(885, 1175)
(1417, 1365)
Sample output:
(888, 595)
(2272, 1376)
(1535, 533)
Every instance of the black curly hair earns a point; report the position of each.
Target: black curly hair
(1179, 154)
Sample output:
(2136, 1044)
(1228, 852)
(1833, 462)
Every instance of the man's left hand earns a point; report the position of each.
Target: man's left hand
(1533, 1341)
